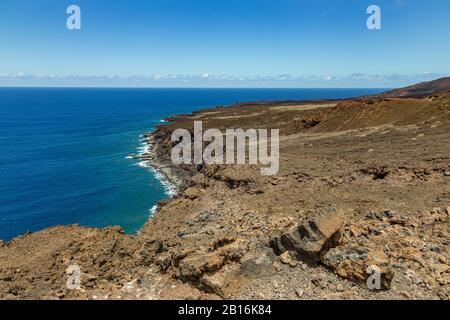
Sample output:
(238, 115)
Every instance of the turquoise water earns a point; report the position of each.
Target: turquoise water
(63, 152)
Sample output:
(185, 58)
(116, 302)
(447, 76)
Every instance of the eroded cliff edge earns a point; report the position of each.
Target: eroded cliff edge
(362, 182)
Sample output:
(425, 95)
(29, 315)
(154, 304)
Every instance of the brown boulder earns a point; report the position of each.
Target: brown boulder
(146, 254)
(310, 240)
(286, 258)
(357, 264)
(192, 193)
(192, 267)
(257, 266)
(222, 281)
(199, 180)
(164, 260)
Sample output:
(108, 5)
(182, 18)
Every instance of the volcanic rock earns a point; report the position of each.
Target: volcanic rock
(354, 263)
(310, 240)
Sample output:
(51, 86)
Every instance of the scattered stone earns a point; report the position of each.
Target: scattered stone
(385, 214)
(88, 280)
(299, 292)
(257, 266)
(277, 266)
(189, 222)
(60, 295)
(286, 258)
(310, 240)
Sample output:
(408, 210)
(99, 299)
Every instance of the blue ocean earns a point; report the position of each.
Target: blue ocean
(63, 152)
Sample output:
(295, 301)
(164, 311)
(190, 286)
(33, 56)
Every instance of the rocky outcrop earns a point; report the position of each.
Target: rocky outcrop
(222, 281)
(310, 240)
(212, 271)
(316, 241)
(357, 264)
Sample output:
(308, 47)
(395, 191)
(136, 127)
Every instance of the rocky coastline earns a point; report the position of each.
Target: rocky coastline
(362, 183)
(164, 170)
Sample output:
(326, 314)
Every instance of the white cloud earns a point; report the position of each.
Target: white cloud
(209, 80)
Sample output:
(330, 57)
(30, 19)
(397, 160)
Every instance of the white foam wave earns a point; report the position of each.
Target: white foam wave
(152, 211)
(145, 148)
(170, 188)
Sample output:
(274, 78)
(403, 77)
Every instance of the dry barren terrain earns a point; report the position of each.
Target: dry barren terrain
(362, 183)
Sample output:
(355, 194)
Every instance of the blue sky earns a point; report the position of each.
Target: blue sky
(286, 43)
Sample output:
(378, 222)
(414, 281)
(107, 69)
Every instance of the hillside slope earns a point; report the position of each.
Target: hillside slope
(418, 90)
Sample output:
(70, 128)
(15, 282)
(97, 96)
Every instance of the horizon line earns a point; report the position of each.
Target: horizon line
(169, 87)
